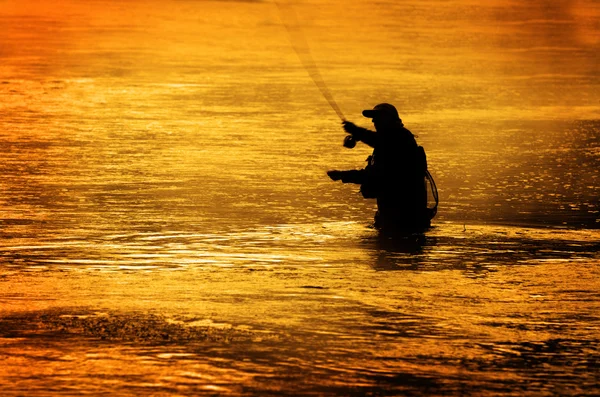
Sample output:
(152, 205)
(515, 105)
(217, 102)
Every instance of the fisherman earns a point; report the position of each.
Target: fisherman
(395, 172)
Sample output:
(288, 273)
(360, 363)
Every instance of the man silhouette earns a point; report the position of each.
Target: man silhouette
(395, 174)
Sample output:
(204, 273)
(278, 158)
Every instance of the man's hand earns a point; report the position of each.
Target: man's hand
(349, 127)
(335, 175)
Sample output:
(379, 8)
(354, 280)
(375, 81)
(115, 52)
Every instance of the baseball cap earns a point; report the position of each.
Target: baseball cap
(383, 109)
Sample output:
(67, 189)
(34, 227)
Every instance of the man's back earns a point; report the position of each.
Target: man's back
(400, 167)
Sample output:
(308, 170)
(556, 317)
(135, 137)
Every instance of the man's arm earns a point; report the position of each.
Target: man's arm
(360, 134)
(352, 176)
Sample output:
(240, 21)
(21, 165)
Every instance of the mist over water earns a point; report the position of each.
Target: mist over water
(167, 226)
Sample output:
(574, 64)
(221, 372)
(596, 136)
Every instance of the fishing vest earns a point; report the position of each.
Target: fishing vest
(372, 184)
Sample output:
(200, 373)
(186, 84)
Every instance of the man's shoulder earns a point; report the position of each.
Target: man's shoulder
(407, 137)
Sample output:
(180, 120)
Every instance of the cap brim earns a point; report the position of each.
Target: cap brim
(370, 113)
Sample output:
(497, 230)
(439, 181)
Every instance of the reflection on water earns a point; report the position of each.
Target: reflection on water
(479, 247)
(167, 227)
(302, 309)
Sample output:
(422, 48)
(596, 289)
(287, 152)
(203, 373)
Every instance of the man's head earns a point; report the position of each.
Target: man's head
(384, 115)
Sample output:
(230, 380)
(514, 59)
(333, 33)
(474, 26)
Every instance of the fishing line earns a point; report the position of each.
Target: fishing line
(300, 45)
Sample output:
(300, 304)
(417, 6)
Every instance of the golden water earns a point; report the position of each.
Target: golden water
(167, 226)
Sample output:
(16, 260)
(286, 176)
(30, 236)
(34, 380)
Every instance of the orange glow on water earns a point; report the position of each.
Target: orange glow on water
(166, 223)
(502, 51)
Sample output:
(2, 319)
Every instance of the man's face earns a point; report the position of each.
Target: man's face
(381, 122)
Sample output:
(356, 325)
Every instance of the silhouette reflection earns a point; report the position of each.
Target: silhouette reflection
(478, 251)
(399, 252)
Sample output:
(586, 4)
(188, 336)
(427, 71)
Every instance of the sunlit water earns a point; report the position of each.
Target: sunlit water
(167, 226)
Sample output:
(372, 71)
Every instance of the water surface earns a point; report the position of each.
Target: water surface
(167, 226)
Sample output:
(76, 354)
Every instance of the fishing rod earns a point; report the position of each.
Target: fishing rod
(300, 45)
